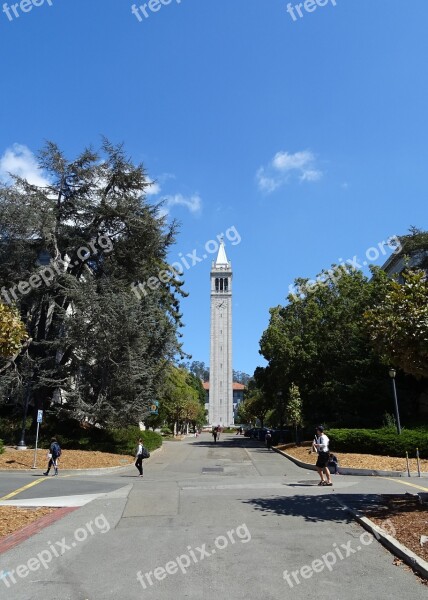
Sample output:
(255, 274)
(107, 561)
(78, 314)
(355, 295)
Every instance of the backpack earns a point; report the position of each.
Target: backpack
(145, 453)
(56, 450)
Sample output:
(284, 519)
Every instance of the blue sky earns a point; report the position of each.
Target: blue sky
(310, 137)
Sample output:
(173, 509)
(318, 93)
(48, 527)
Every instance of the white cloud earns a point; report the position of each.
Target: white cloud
(153, 189)
(283, 166)
(311, 175)
(192, 203)
(19, 160)
(266, 184)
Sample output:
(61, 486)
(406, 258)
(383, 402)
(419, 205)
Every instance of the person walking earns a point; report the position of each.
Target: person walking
(268, 440)
(320, 445)
(139, 456)
(215, 431)
(53, 456)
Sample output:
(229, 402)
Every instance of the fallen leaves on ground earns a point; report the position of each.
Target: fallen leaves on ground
(407, 516)
(70, 459)
(12, 518)
(359, 461)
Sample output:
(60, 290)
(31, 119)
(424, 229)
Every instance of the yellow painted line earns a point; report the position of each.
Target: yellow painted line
(23, 488)
(418, 487)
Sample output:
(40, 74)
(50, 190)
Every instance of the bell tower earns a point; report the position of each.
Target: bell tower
(221, 374)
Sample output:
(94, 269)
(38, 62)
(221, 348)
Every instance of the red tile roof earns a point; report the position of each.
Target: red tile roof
(236, 386)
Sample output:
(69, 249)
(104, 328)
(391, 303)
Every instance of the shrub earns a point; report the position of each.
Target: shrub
(72, 436)
(384, 441)
(1, 447)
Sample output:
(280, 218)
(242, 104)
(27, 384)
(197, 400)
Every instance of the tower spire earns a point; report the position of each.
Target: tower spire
(221, 256)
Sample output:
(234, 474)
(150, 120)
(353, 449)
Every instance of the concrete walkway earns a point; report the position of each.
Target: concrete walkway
(230, 519)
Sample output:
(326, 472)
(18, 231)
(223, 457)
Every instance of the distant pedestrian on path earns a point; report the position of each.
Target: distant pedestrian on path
(268, 440)
(53, 455)
(320, 445)
(215, 432)
(140, 454)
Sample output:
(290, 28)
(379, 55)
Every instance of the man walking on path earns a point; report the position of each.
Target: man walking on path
(320, 445)
(53, 455)
(215, 431)
(140, 455)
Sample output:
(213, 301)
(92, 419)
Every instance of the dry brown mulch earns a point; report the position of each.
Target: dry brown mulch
(359, 461)
(70, 459)
(409, 518)
(12, 518)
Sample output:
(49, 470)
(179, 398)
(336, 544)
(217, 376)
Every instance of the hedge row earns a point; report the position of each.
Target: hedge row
(379, 441)
(1, 447)
(116, 441)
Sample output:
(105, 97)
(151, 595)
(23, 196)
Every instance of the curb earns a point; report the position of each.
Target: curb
(410, 558)
(347, 470)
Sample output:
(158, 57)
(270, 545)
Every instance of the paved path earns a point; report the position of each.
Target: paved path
(233, 515)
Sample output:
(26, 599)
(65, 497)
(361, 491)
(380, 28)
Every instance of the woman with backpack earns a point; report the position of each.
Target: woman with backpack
(141, 453)
(53, 456)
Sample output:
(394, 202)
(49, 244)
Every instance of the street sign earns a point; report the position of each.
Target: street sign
(39, 420)
(154, 408)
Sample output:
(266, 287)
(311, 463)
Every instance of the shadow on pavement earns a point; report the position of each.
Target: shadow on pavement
(314, 509)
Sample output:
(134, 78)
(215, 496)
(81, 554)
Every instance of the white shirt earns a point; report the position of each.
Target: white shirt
(323, 442)
(140, 449)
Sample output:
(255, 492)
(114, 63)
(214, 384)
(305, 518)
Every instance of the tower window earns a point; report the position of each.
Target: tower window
(226, 284)
(217, 284)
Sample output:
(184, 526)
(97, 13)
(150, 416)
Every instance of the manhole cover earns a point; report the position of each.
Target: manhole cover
(212, 470)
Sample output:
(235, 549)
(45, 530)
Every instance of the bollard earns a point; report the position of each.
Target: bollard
(408, 468)
(419, 464)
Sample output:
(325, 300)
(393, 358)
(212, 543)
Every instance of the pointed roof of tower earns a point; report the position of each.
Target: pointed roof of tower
(221, 256)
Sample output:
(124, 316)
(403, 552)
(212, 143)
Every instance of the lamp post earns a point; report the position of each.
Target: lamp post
(21, 444)
(392, 374)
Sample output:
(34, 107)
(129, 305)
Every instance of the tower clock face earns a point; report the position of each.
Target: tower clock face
(220, 305)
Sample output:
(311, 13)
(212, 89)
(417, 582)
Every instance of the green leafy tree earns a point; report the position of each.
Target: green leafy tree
(256, 403)
(12, 331)
(241, 377)
(398, 326)
(294, 408)
(99, 347)
(319, 341)
(179, 402)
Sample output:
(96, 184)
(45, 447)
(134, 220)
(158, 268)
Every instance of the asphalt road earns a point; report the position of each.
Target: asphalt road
(230, 519)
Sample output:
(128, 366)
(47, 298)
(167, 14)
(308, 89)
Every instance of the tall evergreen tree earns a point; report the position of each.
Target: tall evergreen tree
(99, 345)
